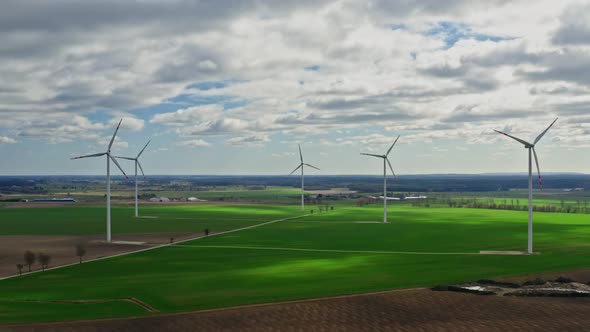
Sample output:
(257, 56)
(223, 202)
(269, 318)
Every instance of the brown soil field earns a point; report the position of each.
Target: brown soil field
(62, 250)
(402, 310)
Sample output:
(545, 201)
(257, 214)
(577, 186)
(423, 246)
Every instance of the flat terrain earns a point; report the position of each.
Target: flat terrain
(344, 251)
(62, 247)
(91, 220)
(406, 310)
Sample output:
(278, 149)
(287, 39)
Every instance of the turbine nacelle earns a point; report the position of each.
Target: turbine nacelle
(384, 156)
(107, 153)
(136, 159)
(531, 146)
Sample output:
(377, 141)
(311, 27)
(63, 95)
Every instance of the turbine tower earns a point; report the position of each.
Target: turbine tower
(385, 161)
(136, 160)
(531, 148)
(109, 158)
(298, 167)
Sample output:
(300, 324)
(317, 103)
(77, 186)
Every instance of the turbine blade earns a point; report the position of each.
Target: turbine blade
(515, 138)
(538, 169)
(300, 154)
(298, 167)
(115, 134)
(372, 155)
(90, 155)
(543, 133)
(391, 168)
(312, 166)
(388, 151)
(127, 158)
(140, 152)
(140, 168)
(117, 163)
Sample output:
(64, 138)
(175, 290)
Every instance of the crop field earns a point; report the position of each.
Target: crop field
(343, 251)
(74, 220)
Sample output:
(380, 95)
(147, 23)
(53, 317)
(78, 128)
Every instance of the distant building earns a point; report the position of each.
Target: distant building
(194, 199)
(159, 199)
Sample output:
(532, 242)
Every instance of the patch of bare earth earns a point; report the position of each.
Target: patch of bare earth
(405, 310)
(62, 249)
(581, 275)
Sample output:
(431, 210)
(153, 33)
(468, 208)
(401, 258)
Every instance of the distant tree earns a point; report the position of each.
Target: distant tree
(81, 250)
(331, 208)
(20, 269)
(311, 211)
(30, 258)
(171, 240)
(206, 231)
(44, 260)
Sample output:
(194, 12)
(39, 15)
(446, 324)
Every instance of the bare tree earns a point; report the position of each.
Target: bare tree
(20, 269)
(44, 260)
(81, 250)
(30, 258)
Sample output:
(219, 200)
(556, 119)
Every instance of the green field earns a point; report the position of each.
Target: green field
(74, 220)
(256, 265)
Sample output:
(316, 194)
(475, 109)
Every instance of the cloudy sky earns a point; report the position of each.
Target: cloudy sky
(231, 87)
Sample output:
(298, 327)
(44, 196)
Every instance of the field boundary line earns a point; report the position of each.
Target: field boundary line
(221, 309)
(132, 300)
(152, 248)
(329, 250)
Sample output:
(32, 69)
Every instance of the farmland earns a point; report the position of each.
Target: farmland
(342, 251)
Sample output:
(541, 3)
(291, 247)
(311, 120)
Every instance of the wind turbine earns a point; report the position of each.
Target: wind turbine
(298, 167)
(109, 158)
(531, 147)
(136, 160)
(385, 160)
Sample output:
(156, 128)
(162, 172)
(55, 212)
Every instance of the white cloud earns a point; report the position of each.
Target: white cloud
(7, 140)
(103, 143)
(129, 123)
(195, 143)
(207, 65)
(305, 69)
(248, 140)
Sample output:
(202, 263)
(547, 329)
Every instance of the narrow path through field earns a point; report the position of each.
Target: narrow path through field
(132, 300)
(329, 250)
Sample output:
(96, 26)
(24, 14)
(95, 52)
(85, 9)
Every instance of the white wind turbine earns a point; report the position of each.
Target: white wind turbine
(136, 160)
(385, 161)
(531, 147)
(109, 158)
(298, 167)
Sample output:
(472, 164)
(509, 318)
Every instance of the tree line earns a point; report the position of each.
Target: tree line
(30, 258)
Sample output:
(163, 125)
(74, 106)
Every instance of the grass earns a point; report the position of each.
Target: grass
(203, 275)
(75, 220)
(12, 312)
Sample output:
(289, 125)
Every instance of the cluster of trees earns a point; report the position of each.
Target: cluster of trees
(323, 208)
(43, 259)
(30, 259)
(364, 201)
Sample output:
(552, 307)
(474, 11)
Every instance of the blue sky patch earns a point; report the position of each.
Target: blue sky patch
(452, 32)
(212, 85)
